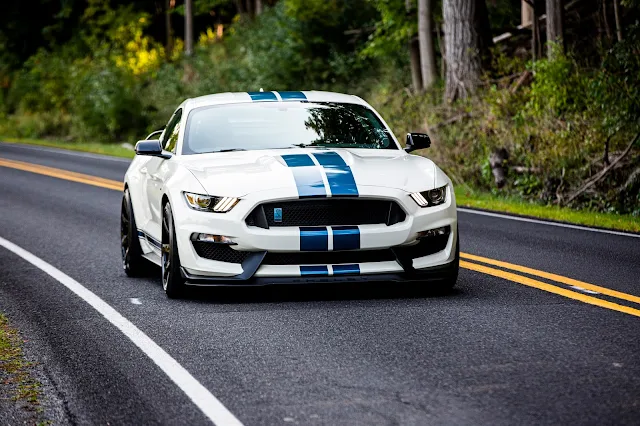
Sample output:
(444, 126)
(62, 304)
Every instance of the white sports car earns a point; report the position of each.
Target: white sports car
(286, 187)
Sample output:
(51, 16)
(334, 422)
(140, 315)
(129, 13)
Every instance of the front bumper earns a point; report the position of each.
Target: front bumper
(201, 271)
(434, 274)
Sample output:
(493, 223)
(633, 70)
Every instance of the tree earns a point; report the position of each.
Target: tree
(425, 38)
(168, 29)
(188, 27)
(414, 56)
(467, 40)
(617, 17)
(555, 31)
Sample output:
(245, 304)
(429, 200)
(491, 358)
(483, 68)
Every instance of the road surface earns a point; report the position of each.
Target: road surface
(508, 346)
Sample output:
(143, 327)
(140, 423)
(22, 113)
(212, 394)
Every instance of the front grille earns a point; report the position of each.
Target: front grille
(328, 257)
(326, 212)
(219, 252)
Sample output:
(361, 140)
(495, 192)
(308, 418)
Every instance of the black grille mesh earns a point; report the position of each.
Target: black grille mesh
(224, 253)
(328, 212)
(219, 252)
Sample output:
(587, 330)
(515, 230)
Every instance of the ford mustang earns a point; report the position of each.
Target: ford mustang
(261, 188)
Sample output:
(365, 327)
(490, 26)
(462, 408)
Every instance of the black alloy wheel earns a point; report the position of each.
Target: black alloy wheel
(172, 281)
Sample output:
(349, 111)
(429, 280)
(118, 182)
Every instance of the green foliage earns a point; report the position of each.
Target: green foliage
(615, 92)
(558, 88)
(393, 29)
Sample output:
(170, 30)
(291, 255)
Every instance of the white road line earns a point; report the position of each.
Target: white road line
(201, 397)
(67, 152)
(135, 301)
(544, 222)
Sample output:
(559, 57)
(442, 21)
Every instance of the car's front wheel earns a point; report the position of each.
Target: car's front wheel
(172, 281)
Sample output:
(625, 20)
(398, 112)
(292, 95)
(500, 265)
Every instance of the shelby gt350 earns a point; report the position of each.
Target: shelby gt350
(286, 187)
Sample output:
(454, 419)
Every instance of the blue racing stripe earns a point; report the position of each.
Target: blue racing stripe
(308, 177)
(292, 96)
(314, 270)
(263, 96)
(314, 239)
(298, 160)
(341, 181)
(346, 269)
(346, 237)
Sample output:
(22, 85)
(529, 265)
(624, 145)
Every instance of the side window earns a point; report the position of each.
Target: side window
(170, 138)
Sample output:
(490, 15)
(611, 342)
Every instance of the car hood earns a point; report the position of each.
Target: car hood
(239, 173)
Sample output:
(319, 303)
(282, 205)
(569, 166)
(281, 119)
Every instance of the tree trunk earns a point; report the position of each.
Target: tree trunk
(240, 6)
(168, 29)
(425, 38)
(414, 55)
(416, 76)
(250, 7)
(464, 46)
(483, 28)
(555, 32)
(617, 16)
(259, 7)
(535, 31)
(188, 27)
(605, 18)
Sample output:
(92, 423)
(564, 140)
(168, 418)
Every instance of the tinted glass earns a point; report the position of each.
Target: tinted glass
(273, 125)
(170, 139)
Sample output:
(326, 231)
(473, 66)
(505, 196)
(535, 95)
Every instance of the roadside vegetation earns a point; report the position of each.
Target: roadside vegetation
(523, 113)
(18, 389)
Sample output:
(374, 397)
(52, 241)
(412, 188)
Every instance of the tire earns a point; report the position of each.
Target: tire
(133, 263)
(172, 281)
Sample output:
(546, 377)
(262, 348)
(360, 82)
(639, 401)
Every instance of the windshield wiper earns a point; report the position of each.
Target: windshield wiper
(231, 150)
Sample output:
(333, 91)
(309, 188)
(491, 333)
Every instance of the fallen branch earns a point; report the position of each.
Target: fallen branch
(506, 78)
(604, 171)
(524, 78)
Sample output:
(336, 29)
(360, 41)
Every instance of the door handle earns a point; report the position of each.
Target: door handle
(143, 170)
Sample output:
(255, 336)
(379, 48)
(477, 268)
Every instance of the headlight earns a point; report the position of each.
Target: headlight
(430, 198)
(207, 203)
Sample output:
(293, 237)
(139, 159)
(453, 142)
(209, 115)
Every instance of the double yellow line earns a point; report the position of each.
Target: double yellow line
(551, 288)
(62, 174)
(472, 262)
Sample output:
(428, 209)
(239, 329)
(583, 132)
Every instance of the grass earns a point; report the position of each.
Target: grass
(15, 370)
(487, 201)
(93, 147)
(465, 197)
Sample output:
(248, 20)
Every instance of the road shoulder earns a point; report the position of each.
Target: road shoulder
(26, 394)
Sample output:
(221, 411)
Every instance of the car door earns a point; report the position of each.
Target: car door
(158, 170)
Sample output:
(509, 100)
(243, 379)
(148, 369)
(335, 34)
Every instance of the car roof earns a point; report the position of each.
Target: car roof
(246, 97)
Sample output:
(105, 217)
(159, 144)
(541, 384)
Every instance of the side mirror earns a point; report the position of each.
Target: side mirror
(152, 148)
(153, 135)
(417, 141)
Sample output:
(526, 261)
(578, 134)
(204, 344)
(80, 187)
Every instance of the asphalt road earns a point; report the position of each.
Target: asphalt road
(493, 352)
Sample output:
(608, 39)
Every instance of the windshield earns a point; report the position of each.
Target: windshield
(277, 125)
